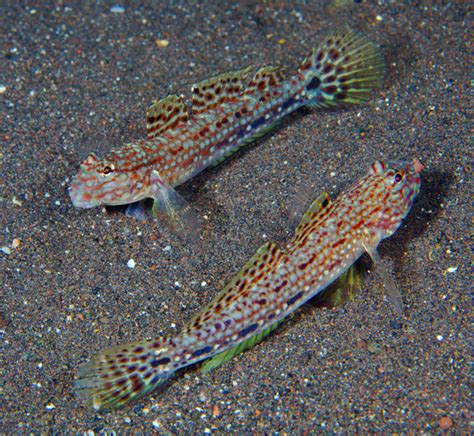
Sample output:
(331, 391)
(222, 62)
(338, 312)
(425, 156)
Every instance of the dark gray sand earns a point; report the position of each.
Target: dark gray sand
(77, 78)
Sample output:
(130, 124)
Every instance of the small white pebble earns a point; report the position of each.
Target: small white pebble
(40, 365)
(167, 248)
(57, 203)
(177, 284)
(277, 396)
(117, 9)
(131, 263)
(156, 423)
(3, 88)
(50, 406)
(452, 269)
(332, 174)
(16, 202)
(6, 250)
(440, 338)
(127, 420)
(379, 18)
(203, 284)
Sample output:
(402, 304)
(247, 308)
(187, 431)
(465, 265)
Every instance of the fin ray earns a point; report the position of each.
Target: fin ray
(310, 216)
(264, 82)
(165, 114)
(224, 88)
(268, 254)
(381, 269)
(343, 70)
(170, 207)
(111, 378)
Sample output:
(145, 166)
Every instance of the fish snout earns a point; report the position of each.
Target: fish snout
(82, 190)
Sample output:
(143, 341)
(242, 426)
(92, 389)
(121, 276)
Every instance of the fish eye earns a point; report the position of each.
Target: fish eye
(398, 177)
(108, 169)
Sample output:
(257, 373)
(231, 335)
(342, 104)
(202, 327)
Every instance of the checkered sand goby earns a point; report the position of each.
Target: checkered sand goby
(224, 113)
(273, 283)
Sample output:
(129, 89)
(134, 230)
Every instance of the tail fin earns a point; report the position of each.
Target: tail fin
(124, 373)
(343, 70)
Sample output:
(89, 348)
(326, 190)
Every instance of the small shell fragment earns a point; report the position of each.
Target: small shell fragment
(161, 43)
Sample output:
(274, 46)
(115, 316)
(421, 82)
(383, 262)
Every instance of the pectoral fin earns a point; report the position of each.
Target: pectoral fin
(137, 211)
(382, 270)
(170, 207)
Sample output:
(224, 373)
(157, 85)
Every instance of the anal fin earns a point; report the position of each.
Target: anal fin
(342, 290)
(226, 355)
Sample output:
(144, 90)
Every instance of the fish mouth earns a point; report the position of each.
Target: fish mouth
(81, 194)
(82, 199)
(412, 185)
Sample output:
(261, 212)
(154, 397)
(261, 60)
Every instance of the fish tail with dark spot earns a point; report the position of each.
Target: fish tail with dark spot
(343, 70)
(124, 373)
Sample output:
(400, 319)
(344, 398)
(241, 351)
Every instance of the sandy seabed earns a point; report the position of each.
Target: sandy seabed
(78, 77)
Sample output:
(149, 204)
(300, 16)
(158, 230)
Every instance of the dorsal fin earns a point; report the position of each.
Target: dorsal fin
(223, 88)
(165, 115)
(266, 257)
(299, 205)
(310, 216)
(265, 79)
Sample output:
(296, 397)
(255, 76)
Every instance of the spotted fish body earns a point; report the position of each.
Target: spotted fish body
(227, 112)
(329, 239)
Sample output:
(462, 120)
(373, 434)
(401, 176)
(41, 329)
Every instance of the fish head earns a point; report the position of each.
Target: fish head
(103, 182)
(394, 186)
